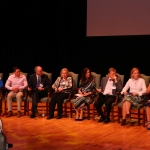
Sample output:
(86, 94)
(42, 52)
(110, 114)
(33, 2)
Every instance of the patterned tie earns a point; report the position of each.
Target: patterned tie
(38, 81)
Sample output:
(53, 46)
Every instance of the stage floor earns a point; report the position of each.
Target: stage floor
(67, 134)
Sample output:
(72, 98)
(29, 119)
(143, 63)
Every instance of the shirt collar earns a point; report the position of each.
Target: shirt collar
(18, 77)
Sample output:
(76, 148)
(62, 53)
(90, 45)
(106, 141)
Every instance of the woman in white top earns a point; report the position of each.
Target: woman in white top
(136, 87)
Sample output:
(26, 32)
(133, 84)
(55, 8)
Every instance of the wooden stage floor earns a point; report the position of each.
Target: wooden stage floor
(67, 134)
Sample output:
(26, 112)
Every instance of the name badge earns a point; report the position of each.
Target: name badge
(41, 85)
(113, 87)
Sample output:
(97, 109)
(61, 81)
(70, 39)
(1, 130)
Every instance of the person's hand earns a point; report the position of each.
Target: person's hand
(124, 93)
(40, 88)
(99, 90)
(60, 89)
(15, 89)
(29, 89)
(115, 78)
(135, 94)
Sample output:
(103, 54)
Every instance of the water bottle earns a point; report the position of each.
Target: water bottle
(43, 114)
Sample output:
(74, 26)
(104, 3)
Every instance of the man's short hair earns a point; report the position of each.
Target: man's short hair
(15, 68)
(36, 68)
(111, 69)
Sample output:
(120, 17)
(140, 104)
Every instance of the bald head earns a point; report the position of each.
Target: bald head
(38, 70)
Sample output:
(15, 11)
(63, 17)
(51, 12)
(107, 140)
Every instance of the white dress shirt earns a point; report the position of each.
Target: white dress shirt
(108, 88)
(137, 86)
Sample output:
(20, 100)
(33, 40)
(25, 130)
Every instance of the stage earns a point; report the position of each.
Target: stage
(67, 134)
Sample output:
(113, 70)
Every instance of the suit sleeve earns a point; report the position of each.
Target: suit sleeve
(118, 86)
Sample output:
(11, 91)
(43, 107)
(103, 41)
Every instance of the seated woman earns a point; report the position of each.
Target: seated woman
(62, 87)
(137, 88)
(86, 87)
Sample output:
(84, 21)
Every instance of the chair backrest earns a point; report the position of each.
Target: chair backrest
(97, 78)
(1, 76)
(75, 79)
(121, 77)
(146, 78)
(26, 74)
(49, 76)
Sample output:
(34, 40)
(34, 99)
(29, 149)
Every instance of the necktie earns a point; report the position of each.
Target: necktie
(38, 81)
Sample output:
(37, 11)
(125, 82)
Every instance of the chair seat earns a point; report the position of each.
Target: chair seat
(15, 100)
(132, 107)
(73, 100)
(44, 99)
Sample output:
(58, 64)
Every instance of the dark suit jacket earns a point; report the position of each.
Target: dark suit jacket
(44, 80)
(118, 85)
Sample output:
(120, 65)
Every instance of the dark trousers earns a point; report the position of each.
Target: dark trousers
(108, 100)
(57, 98)
(36, 96)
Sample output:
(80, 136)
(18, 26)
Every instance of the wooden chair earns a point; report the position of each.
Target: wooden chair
(75, 82)
(45, 100)
(15, 100)
(139, 107)
(72, 101)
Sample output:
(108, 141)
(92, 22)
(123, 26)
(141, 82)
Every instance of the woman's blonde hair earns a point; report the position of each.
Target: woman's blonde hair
(134, 69)
(64, 69)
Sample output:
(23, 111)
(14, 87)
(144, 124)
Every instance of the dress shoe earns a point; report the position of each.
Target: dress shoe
(80, 119)
(58, 117)
(101, 119)
(50, 117)
(123, 122)
(107, 120)
(32, 115)
(18, 114)
(76, 119)
(9, 114)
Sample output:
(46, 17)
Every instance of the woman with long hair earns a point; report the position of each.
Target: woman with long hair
(86, 88)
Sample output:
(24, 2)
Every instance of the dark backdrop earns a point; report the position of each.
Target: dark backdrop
(53, 34)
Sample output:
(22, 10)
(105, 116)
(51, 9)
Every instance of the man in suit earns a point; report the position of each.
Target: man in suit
(107, 94)
(39, 84)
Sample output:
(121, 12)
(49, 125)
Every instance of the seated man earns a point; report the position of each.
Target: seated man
(108, 88)
(16, 83)
(39, 84)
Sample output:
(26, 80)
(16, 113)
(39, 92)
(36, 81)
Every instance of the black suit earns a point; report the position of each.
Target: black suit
(36, 94)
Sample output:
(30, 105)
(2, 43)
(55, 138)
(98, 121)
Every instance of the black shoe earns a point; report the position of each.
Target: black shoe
(76, 119)
(101, 119)
(32, 115)
(107, 120)
(49, 117)
(58, 117)
(123, 122)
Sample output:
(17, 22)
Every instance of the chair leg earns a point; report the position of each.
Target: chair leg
(112, 116)
(47, 108)
(5, 106)
(88, 109)
(71, 110)
(138, 117)
(119, 114)
(93, 112)
(144, 115)
(24, 107)
(65, 109)
(27, 108)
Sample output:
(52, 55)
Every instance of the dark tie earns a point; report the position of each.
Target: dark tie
(111, 79)
(38, 81)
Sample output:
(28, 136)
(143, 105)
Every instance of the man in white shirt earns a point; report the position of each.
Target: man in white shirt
(107, 94)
